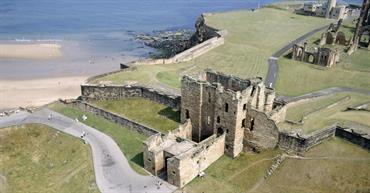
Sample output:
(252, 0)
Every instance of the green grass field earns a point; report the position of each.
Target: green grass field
(296, 78)
(337, 166)
(38, 159)
(147, 112)
(251, 40)
(229, 175)
(130, 142)
(322, 117)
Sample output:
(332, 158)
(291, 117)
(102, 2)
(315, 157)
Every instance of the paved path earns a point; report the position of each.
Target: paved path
(112, 171)
(273, 66)
(323, 92)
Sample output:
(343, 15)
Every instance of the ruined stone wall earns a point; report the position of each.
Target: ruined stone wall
(261, 131)
(303, 143)
(109, 92)
(319, 56)
(191, 100)
(359, 138)
(121, 120)
(227, 81)
(183, 168)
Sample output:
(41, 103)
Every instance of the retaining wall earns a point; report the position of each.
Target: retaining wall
(121, 120)
(303, 143)
(108, 92)
(297, 143)
(356, 137)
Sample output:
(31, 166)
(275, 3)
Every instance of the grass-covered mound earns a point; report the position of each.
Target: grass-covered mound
(37, 158)
(323, 112)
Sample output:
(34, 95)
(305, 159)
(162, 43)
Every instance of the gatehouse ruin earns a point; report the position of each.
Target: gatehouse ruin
(220, 114)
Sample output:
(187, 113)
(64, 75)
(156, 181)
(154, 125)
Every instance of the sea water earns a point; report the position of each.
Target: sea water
(98, 30)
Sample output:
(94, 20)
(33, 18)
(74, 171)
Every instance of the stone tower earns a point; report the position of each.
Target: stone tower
(362, 27)
(330, 5)
(216, 104)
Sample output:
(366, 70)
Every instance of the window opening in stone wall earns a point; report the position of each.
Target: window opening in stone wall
(209, 97)
(187, 115)
(220, 131)
(173, 172)
(245, 107)
(252, 124)
(226, 107)
(253, 89)
(218, 119)
(227, 130)
(243, 123)
(208, 120)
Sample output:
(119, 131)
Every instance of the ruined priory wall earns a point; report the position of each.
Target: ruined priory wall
(109, 92)
(123, 121)
(184, 168)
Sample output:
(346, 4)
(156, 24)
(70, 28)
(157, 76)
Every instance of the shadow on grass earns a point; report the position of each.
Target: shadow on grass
(289, 55)
(170, 114)
(138, 159)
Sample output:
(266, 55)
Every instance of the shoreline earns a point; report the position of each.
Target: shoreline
(30, 50)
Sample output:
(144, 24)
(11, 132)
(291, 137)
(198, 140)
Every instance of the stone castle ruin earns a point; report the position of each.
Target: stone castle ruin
(362, 29)
(220, 114)
(316, 55)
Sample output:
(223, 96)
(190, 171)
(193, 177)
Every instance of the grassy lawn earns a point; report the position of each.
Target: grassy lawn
(345, 169)
(251, 40)
(129, 141)
(296, 78)
(147, 112)
(36, 158)
(233, 175)
(325, 117)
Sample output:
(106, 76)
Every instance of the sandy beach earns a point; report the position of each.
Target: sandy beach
(14, 93)
(30, 51)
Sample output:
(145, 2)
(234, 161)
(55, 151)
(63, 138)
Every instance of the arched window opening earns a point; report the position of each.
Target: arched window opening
(226, 107)
(218, 119)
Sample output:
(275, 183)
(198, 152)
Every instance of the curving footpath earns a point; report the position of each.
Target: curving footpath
(323, 92)
(112, 171)
(273, 66)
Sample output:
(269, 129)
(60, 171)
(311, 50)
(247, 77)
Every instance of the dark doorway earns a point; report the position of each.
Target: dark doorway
(220, 131)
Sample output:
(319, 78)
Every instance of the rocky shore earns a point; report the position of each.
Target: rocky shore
(171, 42)
(168, 43)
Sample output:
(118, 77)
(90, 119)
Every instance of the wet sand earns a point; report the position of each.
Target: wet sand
(30, 51)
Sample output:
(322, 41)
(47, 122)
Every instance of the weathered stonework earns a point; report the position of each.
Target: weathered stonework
(362, 28)
(177, 158)
(220, 114)
(217, 103)
(109, 92)
(320, 56)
